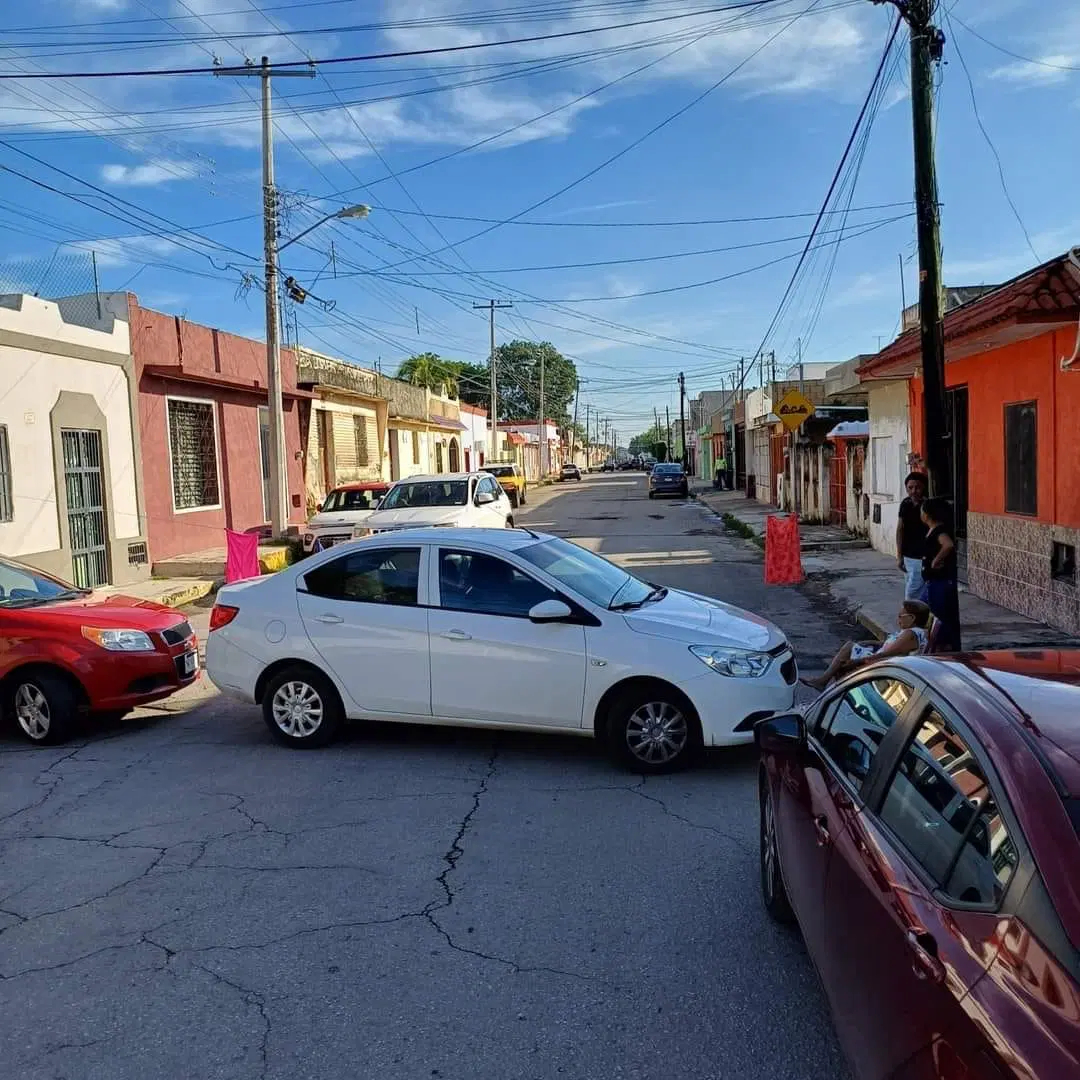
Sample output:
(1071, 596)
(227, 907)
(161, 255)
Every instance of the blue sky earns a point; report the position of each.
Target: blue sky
(182, 152)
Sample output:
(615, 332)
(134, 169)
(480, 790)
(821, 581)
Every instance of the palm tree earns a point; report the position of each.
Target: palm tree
(430, 371)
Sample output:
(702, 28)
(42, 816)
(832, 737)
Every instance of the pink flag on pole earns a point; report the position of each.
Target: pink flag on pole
(241, 556)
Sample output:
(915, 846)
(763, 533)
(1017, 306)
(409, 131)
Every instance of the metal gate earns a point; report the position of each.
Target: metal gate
(838, 485)
(85, 507)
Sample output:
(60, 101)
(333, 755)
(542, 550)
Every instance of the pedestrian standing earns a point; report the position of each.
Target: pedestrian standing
(939, 573)
(721, 472)
(911, 537)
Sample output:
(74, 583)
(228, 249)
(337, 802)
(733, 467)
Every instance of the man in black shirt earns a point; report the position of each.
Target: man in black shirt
(911, 537)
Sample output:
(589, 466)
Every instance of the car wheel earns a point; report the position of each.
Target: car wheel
(509, 522)
(652, 730)
(44, 705)
(773, 893)
(652, 494)
(301, 708)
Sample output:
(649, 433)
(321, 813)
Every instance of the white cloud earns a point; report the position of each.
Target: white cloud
(125, 250)
(149, 175)
(1041, 71)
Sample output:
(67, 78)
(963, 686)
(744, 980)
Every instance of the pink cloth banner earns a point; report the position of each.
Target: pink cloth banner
(241, 556)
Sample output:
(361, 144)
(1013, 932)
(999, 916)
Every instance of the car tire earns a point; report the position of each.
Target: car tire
(44, 705)
(773, 893)
(509, 521)
(652, 494)
(639, 708)
(302, 708)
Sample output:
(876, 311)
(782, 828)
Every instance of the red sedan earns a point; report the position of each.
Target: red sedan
(64, 652)
(920, 823)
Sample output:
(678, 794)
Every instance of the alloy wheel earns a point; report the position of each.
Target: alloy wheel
(657, 733)
(768, 847)
(297, 709)
(32, 711)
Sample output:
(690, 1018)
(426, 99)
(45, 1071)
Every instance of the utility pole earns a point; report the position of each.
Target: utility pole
(927, 45)
(682, 417)
(493, 306)
(667, 417)
(798, 350)
(573, 430)
(279, 485)
(541, 421)
(742, 378)
(588, 437)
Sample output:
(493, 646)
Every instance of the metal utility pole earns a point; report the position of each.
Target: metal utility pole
(493, 306)
(682, 417)
(279, 486)
(541, 422)
(927, 45)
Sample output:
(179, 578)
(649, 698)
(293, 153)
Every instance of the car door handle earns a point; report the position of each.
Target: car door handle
(821, 825)
(924, 958)
(457, 635)
(328, 618)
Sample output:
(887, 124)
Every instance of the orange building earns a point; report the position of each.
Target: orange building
(1012, 377)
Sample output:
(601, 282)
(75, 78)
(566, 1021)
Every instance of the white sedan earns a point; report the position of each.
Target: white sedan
(450, 500)
(500, 628)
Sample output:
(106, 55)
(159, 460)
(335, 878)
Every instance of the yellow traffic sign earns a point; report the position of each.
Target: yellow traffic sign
(793, 409)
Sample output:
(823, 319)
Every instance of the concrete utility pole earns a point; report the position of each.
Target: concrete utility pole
(927, 45)
(682, 417)
(588, 437)
(667, 417)
(573, 429)
(742, 378)
(279, 487)
(541, 421)
(493, 306)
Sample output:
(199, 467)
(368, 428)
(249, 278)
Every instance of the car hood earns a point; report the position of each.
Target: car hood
(107, 612)
(417, 515)
(338, 517)
(700, 620)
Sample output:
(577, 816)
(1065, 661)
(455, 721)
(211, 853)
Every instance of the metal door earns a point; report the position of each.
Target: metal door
(85, 508)
(838, 485)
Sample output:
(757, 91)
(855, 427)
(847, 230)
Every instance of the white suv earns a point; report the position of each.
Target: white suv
(454, 500)
(342, 510)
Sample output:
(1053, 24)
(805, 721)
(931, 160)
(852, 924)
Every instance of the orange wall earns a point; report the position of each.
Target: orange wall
(1026, 371)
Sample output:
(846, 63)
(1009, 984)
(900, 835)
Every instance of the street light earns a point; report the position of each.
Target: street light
(279, 487)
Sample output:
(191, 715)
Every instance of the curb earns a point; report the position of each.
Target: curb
(188, 594)
(871, 624)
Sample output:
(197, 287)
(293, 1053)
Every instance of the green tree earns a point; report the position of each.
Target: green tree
(474, 384)
(644, 443)
(430, 371)
(518, 371)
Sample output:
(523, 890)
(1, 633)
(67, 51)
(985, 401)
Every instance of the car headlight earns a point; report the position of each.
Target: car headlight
(736, 663)
(119, 640)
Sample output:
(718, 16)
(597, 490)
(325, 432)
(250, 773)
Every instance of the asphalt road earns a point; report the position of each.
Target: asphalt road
(179, 897)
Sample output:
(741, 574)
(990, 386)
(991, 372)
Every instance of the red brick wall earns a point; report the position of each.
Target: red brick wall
(199, 352)
(1025, 371)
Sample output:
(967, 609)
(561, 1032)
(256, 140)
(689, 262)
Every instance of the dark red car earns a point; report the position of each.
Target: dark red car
(920, 823)
(65, 652)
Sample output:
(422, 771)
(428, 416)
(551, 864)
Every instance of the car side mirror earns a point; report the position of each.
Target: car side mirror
(550, 611)
(484, 497)
(782, 733)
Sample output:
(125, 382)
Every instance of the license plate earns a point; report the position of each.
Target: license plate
(191, 661)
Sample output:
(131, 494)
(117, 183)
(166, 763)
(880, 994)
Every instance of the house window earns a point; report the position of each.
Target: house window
(7, 501)
(416, 447)
(360, 437)
(1063, 562)
(193, 454)
(1021, 472)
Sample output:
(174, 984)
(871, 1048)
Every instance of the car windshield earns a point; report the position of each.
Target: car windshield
(427, 493)
(22, 586)
(667, 470)
(500, 470)
(344, 499)
(598, 580)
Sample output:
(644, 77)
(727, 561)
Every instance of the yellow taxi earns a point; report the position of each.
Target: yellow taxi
(511, 479)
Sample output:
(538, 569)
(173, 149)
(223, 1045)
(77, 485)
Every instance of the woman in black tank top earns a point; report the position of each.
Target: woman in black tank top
(939, 573)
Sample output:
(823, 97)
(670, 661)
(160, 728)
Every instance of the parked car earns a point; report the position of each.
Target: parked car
(668, 479)
(65, 652)
(608, 466)
(496, 628)
(342, 510)
(920, 823)
(461, 500)
(569, 472)
(511, 479)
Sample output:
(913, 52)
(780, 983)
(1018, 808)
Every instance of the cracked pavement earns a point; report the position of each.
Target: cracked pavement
(180, 897)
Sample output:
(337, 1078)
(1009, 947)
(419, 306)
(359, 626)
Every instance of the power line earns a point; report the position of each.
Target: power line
(400, 53)
(1009, 52)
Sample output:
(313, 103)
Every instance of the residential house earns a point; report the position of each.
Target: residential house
(702, 410)
(475, 437)
(760, 423)
(445, 428)
(1012, 377)
(71, 487)
(347, 438)
(204, 429)
(525, 446)
(408, 448)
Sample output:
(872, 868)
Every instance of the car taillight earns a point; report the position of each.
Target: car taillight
(221, 615)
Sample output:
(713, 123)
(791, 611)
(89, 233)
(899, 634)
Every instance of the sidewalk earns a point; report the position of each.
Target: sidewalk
(869, 586)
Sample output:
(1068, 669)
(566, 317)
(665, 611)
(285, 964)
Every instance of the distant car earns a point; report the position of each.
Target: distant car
(504, 628)
(569, 472)
(66, 652)
(624, 465)
(608, 466)
(921, 823)
(511, 479)
(342, 510)
(668, 478)
(452, 500)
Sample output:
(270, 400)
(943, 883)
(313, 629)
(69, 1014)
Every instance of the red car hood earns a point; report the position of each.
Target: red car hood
(109, 612)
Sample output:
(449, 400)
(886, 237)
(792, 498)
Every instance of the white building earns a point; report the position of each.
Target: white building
(70, 461)
(475, 437)
(534, 464)
(759, 421)
(890, 443)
